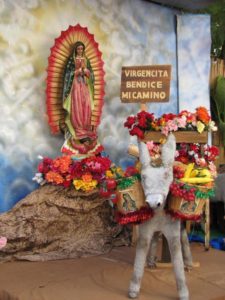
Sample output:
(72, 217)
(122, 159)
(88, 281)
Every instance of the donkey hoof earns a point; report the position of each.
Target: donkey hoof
(132, 294)
(187, 269)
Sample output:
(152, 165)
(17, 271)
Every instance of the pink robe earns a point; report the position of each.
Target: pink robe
(81, 104)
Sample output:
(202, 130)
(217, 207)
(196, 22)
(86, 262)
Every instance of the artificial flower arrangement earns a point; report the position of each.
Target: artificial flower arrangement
(144, 121)
(93, 173)
(194, 168)
(84, 175)
(194, 172)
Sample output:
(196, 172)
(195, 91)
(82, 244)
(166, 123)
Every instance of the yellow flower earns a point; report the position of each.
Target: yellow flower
(88, 186)
(85, 185)
(200, 126)
(78, 184)
(109, 174)
(119, 171)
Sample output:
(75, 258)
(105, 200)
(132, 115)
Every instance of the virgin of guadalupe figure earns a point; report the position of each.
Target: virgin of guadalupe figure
(75, 90)
(78, 95)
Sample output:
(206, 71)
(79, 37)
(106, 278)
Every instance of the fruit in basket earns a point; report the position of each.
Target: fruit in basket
(197, 180)
(194, 173)
(204, 173)
(189, 168)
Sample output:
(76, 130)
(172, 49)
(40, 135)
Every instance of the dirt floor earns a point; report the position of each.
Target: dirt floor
(107, 277)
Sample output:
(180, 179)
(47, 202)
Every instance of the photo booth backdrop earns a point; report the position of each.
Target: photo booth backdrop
(129, 32)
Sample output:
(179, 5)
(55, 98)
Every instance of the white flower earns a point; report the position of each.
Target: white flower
(212, 126)
(39, 178)
(40, 157)
(191, 152)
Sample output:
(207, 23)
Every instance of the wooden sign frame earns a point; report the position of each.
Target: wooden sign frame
(141, 84)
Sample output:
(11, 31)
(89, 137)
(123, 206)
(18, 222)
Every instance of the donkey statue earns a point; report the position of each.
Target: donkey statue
(156, 182)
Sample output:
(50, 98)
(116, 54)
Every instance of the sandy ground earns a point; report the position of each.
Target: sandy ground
(107, 277)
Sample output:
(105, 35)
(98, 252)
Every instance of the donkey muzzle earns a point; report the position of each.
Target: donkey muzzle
(155, 200)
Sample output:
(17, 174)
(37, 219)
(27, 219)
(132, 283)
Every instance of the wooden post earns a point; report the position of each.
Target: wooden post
(143, 106)
(207, 224)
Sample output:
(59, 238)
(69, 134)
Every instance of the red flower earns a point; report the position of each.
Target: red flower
(194, 147)
(66, 183)
(110, 183)
(130, 122)
(183, 159)
(142, 122)
(104, 193)
(168, 117)
(138, 132)
(76, 170)
(145, 115)
(45, 166)
(130, 171)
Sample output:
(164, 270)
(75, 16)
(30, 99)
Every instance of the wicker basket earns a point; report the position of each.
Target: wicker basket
(131, 199)
(186, 209)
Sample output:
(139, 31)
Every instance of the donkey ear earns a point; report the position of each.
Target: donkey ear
(168, 151)
(144, 156)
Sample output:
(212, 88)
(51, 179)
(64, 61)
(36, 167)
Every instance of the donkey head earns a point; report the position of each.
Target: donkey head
(156, 180)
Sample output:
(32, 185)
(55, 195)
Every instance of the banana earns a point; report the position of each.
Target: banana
(196, 180)
(194, 173)
(190, 167)
(204, 173)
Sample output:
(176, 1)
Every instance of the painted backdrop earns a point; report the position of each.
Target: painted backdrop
(129, 32)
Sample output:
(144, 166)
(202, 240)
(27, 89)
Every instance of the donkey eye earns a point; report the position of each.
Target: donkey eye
(166, 175)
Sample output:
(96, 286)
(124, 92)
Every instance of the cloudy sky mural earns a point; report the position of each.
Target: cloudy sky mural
(129, 32)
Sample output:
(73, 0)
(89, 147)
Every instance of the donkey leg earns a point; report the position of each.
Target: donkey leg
(151, 258)
(145, 235)
(185, 246)
(174, 242)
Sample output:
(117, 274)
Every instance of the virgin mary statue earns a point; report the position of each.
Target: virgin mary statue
(75, 90)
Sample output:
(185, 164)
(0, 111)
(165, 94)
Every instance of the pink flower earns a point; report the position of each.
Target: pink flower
(201, 162)
(182, 122)
(3, 242)
(212, 168)
(150, 145)
(172, 125)
(165, 130)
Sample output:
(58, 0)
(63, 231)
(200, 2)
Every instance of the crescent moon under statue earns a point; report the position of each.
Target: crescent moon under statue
(75, 91)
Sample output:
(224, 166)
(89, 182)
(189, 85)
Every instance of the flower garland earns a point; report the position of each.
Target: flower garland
(136, 217)
(178, 215)
(144, 121)
(126, 182)
(205, 157)
(84, 175)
